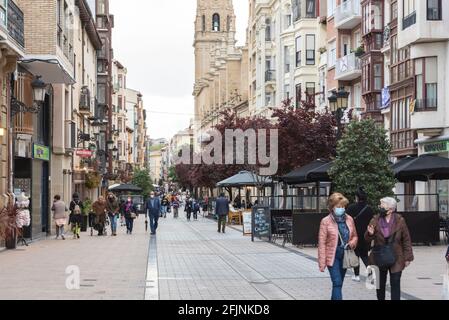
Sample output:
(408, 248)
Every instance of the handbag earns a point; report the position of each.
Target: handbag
(133, 215)
(350, 259)
(384, 256)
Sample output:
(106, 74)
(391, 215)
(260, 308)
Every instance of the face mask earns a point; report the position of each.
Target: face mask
(340, 211)
(383, 212)
(152, 195)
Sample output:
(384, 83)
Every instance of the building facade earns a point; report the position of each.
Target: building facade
(220, 66)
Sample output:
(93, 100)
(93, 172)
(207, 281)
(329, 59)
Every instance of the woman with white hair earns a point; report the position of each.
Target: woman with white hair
(392, 251)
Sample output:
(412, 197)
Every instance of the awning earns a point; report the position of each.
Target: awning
(422, 168)
(125, 188)
(49, 68)
(320, 174)
(244, 178)
(299, 176)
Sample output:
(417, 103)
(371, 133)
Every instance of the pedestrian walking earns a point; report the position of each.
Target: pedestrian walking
(153, 211)
(222, 211)
(337, 233)
(175, 204)
(113, 209)
(76, 215)
(362, 214)
(196, 209)
(188, 208)
(122, 213)
(130, 212)
(392, 251)
(59, 209)
(164, 205)
(99, 209)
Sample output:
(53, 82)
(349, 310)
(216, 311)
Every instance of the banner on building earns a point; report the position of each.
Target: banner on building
(82, 153)
(386, 99)
(41, 152)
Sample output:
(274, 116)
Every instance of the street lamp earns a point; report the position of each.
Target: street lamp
(115, 152)
(39, 90)
(338, 102)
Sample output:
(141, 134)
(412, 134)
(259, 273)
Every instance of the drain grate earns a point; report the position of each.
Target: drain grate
(424, 278)
(87, 285)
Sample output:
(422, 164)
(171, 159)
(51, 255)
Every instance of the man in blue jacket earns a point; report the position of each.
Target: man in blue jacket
(153, 210)
(222, 210)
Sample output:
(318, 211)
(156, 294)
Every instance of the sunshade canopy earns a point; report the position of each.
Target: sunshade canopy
(244, 178)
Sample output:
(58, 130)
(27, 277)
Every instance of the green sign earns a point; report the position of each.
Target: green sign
(436, 147)
(41, 152)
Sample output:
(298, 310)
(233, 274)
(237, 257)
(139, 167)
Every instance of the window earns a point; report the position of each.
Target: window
(310, 9)
(120, 102)
(268, 99)
(409, 17)
(332, 54)
(287, 59)
(203, 23)
(322, 85)
(287, 91)
(310, 49)
(426, 82)
(394, 11)
(298, 95)
(228, 23)
(3, 9)
(296, 9)
(298, 51)
(434, 10)
(310, 92)
(357, 97)
(216, 22)
(378, 76)
(331, 5)
(288, 21)
(267, 30)
(372, 17)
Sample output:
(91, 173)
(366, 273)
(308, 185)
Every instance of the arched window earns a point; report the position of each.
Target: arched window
(203, 21)
(216, 22)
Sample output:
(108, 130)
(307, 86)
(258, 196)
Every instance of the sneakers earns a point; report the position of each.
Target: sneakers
(63, 238)
(356, 278)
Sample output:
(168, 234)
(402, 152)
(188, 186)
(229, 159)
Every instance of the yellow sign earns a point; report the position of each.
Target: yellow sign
(412, 106)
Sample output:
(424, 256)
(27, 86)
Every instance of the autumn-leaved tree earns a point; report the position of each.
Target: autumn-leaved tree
(362, 160)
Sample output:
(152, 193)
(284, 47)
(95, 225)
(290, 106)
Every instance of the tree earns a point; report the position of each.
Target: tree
(172, 174)
(362, 160)
(142, 180)
(305, 135)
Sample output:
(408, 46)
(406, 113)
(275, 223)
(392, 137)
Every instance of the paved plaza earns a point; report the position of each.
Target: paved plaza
(190, 261)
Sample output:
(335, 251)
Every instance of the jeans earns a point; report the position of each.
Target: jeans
(337, 273)
(175, 212)
(195, 215)
(163, 211)
(113, 220)
(189, 213)
(129, 224)
(222, 223)
(60, 231)
(395, 282)
(153, 223)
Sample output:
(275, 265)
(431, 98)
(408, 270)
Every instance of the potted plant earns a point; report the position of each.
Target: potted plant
(360, 51)
(93, 180)
(322, 50)
(8, 225)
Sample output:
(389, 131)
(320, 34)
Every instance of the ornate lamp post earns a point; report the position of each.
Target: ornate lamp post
(338, 103)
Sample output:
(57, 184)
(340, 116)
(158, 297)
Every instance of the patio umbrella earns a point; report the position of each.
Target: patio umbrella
(299, 176)
(423, 168)
(125, 188)
(244, 178)
(320, 174)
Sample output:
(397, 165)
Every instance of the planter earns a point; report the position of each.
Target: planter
(84, 223)
(11, 241)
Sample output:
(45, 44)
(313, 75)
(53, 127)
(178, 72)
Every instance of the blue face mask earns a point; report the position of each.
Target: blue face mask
(340, 211)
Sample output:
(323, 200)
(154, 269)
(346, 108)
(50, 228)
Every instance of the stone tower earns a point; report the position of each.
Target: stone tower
(214, 29)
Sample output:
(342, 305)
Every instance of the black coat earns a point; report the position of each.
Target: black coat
(76, 218)
(361, 224)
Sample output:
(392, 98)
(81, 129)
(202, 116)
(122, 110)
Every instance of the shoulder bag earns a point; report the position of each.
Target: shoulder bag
(350, 259)
(384, 256)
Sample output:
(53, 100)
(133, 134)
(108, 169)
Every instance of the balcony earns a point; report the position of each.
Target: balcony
(12, 26)
(348, 15)
(348, 68)
(403, 142)
(85, 101)
(426, 105)
(409, 20)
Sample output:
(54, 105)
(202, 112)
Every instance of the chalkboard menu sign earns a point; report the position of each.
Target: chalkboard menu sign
(261, 217)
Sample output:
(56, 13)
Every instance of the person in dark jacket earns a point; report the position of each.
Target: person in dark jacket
(222, 211)
(196, 209)
(113, 209)
(390, 227)
(76, 215)
(447, 254)
(188, 208)
(153, 211)
(362, 214)
(130, 211)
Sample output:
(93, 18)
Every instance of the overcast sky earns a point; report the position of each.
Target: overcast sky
(154, 39)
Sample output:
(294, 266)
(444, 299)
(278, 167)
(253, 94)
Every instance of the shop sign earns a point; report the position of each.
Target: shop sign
(41, 152)
(436, 147)
(84, 153)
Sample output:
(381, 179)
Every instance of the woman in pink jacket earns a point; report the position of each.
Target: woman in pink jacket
(334, 228)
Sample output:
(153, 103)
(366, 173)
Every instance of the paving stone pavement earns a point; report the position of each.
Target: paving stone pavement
(192, 261)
